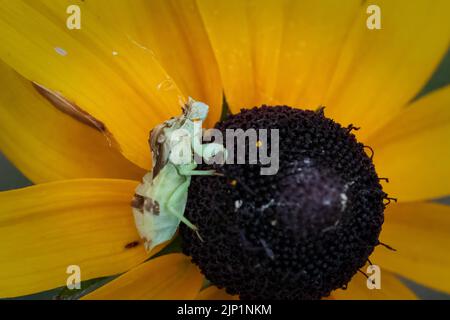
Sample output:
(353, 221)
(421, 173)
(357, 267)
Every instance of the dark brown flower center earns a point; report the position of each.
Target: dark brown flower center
(298, 234)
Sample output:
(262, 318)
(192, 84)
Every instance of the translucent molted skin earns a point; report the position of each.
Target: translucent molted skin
(298, 234)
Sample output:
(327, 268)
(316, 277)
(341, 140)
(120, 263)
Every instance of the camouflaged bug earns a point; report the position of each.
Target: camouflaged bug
(160, 200)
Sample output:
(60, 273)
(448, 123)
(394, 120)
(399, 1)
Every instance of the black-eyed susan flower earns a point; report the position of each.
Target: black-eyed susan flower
(77, 105)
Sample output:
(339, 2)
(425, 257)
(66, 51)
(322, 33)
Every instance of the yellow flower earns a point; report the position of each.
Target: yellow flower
(131, 64)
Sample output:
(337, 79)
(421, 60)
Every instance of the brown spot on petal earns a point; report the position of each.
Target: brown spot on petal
(132, 245)
(69, 108)
(74, 111)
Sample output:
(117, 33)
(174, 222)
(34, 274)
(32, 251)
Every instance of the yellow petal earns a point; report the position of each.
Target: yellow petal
(46, 228)
(277, 52)
(413, 150)
(214, 293)
(47, 145)
(391, 289)
(420, 232)
(101, 68)
(380, 71)
(170, 277)
(175, 33)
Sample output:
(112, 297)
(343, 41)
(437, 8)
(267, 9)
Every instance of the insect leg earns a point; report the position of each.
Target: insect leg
(182, 218)
(185, 221)
(189, 172)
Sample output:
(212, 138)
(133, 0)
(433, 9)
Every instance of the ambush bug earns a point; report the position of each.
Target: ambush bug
(160, 200)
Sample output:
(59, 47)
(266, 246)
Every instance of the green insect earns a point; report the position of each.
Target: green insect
(160, 201)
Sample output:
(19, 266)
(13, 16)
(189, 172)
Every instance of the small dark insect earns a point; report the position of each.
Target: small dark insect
(132, 245)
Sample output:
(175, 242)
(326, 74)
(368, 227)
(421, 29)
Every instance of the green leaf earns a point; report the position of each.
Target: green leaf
(86, 287)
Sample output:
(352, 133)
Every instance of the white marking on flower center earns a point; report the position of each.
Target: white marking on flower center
(267, 205)
(238, 204)
(344, 199)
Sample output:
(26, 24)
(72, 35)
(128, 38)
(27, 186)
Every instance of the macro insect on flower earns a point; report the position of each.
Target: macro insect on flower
(77, 105)
(159, 203)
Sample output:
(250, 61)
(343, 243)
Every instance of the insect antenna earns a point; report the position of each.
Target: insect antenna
(351, 127)
(320, 110)
(386, 246)
(371, 150)
(389, 200)
(365, 275)
(199, 236)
